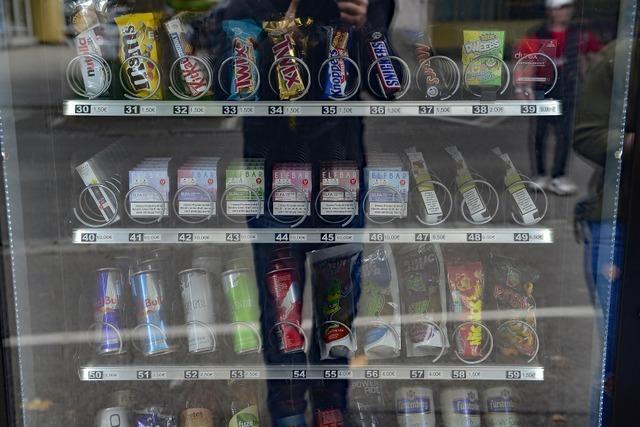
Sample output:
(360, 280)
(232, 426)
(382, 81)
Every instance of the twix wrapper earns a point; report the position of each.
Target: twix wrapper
(289, 75)
(244, 35)
(138, 40)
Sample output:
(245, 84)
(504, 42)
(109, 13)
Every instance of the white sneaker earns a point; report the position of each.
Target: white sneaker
(541, 183)
(562, 186)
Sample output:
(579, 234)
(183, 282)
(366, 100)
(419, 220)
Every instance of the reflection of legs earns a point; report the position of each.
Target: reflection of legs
(564, 132)
(540, 144)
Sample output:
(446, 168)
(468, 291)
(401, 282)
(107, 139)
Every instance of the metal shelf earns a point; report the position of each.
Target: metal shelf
(310, 109)
(288, 235)
(302, 372)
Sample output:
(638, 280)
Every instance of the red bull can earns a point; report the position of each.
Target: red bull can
(113, 417)
(109, 310)
(146, 287)
(286, 302)
(197, 298)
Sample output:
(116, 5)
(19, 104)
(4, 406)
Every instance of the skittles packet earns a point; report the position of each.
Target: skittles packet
(139, 40)
(244, 77)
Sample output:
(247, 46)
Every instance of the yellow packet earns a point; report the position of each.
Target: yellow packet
(138, 33)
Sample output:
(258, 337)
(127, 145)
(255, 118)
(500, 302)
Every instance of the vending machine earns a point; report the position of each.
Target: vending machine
(318, 213)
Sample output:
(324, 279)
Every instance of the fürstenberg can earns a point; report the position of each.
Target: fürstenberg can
(414, 407)
(197, 298)
(500, 405)
(109, 310)
(460, 407)
(113, 417)
(146, 287)
(241, 293)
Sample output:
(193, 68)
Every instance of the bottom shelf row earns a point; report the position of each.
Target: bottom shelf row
(362, 403)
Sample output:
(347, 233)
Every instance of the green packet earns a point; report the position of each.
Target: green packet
(487, 70)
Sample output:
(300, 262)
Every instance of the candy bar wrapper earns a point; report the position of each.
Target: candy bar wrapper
(422, 274)
(244, 36)
(335, 279)
(338, 41)
(194, 77)
(379, 304)
(487, 71)
(432, 73)
(139, 37)
(466, 287)
(512, 293)
(386, 74)
(289, 72)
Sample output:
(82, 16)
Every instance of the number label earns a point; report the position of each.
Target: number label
(328, 237)
(180, 110)
(281, 237)
(185, 237)
(191, 374)
(377, 110)
(330, 373)
(416, 374)
(95, 375)
(528, 109)
(83, 109)
(236, 374)
(372, 373)
(513, 375)
(232, 237)
(329, 110)
(131, 109)
(474, 237)
(480, 109)
(88, 237)
(376, 237)
(229, 110)
(276, 110)
(426, 109)
(143, 375)
(136, 237)
(299, 374)
(458, 374)
(521, 237)
(423, 237)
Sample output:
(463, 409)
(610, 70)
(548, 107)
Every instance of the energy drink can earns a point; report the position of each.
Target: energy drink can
(414, 407)
(109, 310)
(286, 299)
(460, 407)
(500, 405)
(153, 417)
(282, 263)
(242, 298)
(146, 287)
(197, 298)
(113, 417)
(196, 417)
(329, 417)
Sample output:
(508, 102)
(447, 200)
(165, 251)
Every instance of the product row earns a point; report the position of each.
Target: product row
(361, 403)
(198, 56)
(165, 191)
(289, 304)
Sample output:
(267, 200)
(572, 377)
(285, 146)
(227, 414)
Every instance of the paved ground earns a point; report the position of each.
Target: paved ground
(58, 272)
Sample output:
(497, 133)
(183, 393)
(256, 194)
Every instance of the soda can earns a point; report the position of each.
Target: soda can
(153, 417)
(500, 406)
(196, 417)
(113, 417)
(282, 252)
(286, 302)
(212, 264)
(239, 263)
(146, 287)
(197, 298)
(414, 407)
(282, 263)
(460, 407)
(328, 418)
(109, 310)
(241, 293)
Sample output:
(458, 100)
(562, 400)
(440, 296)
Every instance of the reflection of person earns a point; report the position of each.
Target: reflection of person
(591, 140)
(575, 49)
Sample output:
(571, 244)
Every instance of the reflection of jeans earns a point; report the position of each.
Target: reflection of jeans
(600, 256)
(563, 126)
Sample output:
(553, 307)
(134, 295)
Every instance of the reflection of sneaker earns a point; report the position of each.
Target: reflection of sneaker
(541, 181)
(562, 186)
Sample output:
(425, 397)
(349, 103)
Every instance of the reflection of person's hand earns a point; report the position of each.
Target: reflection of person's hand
(524, 94)
(353, 12)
